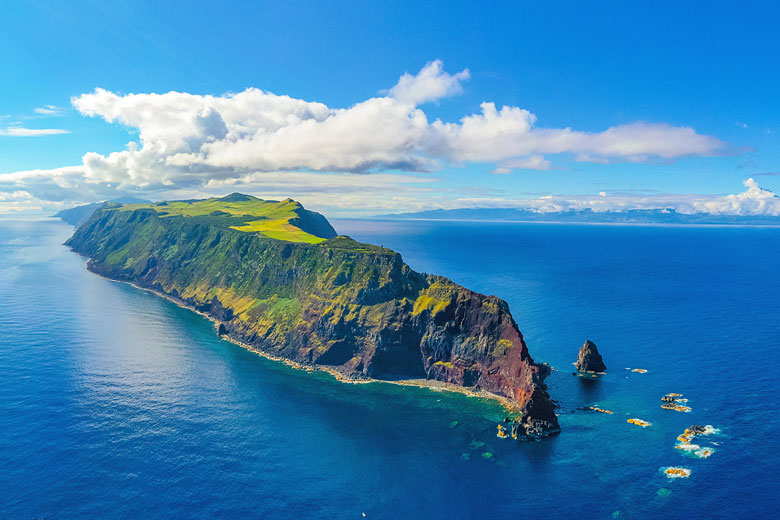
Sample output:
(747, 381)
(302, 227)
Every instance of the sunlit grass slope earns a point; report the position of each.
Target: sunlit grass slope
(282, 220)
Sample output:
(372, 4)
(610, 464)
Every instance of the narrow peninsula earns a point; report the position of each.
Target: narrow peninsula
(278, 278)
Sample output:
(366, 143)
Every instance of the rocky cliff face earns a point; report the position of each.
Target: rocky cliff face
(589, 359)
(352, 306)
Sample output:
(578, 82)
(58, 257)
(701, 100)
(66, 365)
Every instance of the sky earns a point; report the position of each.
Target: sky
(364, 108)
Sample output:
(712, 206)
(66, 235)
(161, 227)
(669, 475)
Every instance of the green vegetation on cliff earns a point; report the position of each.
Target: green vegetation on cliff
(285, 220)
(277, 277)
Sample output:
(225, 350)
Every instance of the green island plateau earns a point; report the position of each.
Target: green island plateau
(277, 278)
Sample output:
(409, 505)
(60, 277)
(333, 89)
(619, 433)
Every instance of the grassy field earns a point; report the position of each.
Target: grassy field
(269, 218)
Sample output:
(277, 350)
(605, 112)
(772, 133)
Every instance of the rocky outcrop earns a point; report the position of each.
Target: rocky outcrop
(538, 415)
(354, 307)
(589, 359)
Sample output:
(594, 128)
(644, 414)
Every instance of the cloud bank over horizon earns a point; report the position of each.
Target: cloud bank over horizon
(378, 153)
(349, 195)
(753, 201)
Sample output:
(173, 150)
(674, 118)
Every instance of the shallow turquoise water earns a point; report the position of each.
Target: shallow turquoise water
(115, 403)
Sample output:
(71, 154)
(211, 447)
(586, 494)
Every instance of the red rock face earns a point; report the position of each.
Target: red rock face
(475, 342)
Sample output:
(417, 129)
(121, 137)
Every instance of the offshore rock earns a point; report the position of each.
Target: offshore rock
(538, 417)
(517, 428)
(589, 359)
(331, 301)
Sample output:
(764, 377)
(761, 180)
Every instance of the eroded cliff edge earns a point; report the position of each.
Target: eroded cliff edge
(352, 306)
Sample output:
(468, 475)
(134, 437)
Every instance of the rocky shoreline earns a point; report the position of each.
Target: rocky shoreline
(511, 407)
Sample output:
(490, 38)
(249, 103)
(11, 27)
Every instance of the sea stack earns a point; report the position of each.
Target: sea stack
(589, 359)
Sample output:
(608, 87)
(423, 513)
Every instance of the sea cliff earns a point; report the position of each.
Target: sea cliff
(278, 278)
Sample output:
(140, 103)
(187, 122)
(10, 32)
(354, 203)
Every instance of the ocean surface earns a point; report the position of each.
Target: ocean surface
(115, 403)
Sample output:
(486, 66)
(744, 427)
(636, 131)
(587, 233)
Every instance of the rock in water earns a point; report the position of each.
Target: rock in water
(589, 359)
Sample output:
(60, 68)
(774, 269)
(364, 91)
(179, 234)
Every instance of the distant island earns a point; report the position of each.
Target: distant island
(279, 280)
(632, 216)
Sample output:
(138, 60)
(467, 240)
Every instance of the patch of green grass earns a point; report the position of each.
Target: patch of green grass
(274, 219)
(346, 243)
(280, 230)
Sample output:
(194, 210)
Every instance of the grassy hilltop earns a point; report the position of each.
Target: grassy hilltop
(285, 220)
(276, 276)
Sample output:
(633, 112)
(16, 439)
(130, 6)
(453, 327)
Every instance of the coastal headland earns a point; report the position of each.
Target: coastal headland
(277, 279)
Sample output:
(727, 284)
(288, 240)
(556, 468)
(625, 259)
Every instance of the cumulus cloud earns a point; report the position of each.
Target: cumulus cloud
(496, 135)
(430, 84)
(186, 138)
(753, 201)
(259, 141)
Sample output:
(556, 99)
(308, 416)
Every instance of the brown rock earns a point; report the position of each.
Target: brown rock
(589, 359)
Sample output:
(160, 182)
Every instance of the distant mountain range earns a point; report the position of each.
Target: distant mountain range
(634, 216)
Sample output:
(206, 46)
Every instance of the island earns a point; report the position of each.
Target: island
(277, 278)
(589, 359)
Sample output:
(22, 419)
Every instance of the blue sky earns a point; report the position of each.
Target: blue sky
(700, 77)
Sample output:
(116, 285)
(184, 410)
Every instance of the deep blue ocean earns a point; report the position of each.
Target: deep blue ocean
(115, 403)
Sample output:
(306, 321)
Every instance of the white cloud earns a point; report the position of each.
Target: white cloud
(14, 195)
(20, 131)
(17, 202)
(345, 194)
(186, 138)
(275, 144)
(378, 133)
(753, 201)
(430, 84)
(50, 175)
(532, 162)
(496, 135)
(334, 193)
(318, 182)
(49, 111)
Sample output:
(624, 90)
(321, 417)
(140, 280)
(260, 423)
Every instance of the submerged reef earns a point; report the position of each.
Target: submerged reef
(674, 402)
(676, 472)
(686, 446)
